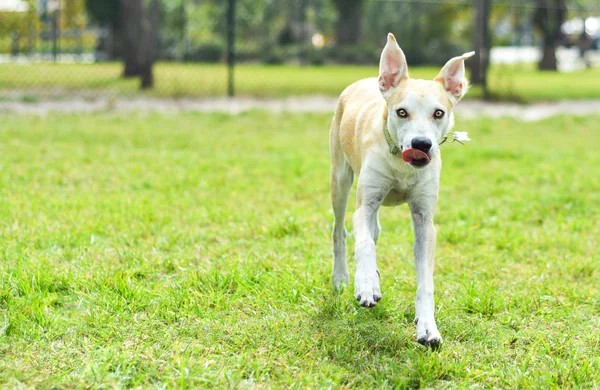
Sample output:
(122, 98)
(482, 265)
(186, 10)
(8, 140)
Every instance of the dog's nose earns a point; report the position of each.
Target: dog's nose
(421, 143)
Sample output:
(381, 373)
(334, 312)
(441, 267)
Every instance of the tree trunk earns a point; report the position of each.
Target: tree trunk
(348, 27)
(548, 17)
(139, 40)
(548, 61)
(150, 41)
(131, 25)
(113, 46)
(147, 77)
(481, 44)
(130, 68)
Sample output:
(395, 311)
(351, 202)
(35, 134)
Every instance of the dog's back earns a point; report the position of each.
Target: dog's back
(360, 107)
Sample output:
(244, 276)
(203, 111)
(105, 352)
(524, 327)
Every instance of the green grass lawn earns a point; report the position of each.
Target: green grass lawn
(522, 82)
(193, 250)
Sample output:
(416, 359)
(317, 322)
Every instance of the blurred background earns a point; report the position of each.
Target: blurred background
(526, 50)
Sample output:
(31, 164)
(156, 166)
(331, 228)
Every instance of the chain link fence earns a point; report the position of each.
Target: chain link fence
(55, 49)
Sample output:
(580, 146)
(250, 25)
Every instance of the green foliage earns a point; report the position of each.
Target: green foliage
(73, 14)
(194, 251)
(354, 54)
(104, 12)
(277, 55)
(19, 22)
(173, 27)
(207, 52)
(426, 32)
(274, 56)
(316, 57)
(12, 21)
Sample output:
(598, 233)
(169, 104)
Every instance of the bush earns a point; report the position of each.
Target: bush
(273, 56)
(207, 52)
(354, 54)
(433, 54)
(436, 53)
(276, 55)
(245, 53)
(316, 57)
(439, 56)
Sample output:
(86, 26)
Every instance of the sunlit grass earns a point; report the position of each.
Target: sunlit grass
(193, 250)
(521, 82)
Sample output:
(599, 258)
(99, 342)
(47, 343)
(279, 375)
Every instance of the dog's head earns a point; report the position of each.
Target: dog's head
(419, 111)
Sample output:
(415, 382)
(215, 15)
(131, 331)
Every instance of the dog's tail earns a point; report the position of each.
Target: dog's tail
(334, 130)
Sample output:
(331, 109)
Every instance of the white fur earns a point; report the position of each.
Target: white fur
(420, 123)
(386, 179)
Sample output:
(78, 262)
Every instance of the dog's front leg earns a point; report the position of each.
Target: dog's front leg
(422, 215)
(370, 194)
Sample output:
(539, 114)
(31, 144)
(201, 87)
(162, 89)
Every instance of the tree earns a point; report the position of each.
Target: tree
(481, 44)
(133, 32)
(548, 17)
(348, 27)
(107, 13)
(173, 28)
(104, 12)
(139, 41)
(73, 14)
(20, 25)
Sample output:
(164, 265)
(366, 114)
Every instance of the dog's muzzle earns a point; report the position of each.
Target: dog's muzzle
(418, 154)
(416, 157)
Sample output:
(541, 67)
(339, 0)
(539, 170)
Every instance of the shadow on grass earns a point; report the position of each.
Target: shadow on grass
(376, 345)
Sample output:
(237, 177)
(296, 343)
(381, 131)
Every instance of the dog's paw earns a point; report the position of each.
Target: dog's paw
(339, 279)
(427, 334)
(366, 288)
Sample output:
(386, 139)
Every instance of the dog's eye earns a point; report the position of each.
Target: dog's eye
(401, 112)
(438, 114)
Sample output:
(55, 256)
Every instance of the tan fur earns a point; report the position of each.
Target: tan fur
(359, 148)
(362, 110)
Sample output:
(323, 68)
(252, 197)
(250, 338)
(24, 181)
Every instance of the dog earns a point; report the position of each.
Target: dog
(387, 131)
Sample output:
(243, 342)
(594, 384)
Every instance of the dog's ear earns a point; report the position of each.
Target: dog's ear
(392, 66)
(452, 77)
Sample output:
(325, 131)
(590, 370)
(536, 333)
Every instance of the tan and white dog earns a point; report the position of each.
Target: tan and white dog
(387, 131)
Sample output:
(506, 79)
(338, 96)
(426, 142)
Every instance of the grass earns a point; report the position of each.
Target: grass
(193, 250)
(521, 83)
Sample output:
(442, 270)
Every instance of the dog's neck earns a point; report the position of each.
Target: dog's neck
(394, 149)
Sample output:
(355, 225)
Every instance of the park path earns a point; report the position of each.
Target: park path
(467, 108)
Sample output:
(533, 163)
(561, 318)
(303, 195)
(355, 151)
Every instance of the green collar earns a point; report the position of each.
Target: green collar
(393, 148)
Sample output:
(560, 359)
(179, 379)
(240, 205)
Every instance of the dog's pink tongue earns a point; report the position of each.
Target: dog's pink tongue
(410, 155)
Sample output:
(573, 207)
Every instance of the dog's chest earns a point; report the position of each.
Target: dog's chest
(401, 186)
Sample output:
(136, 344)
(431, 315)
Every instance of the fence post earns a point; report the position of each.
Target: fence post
(230, 46)
(184, 30)
(481, 45)
(14, 44)
(55, 35)
(304, 36)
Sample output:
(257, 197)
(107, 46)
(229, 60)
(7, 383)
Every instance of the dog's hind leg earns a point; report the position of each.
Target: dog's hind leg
(342, 177)
(422, 215)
